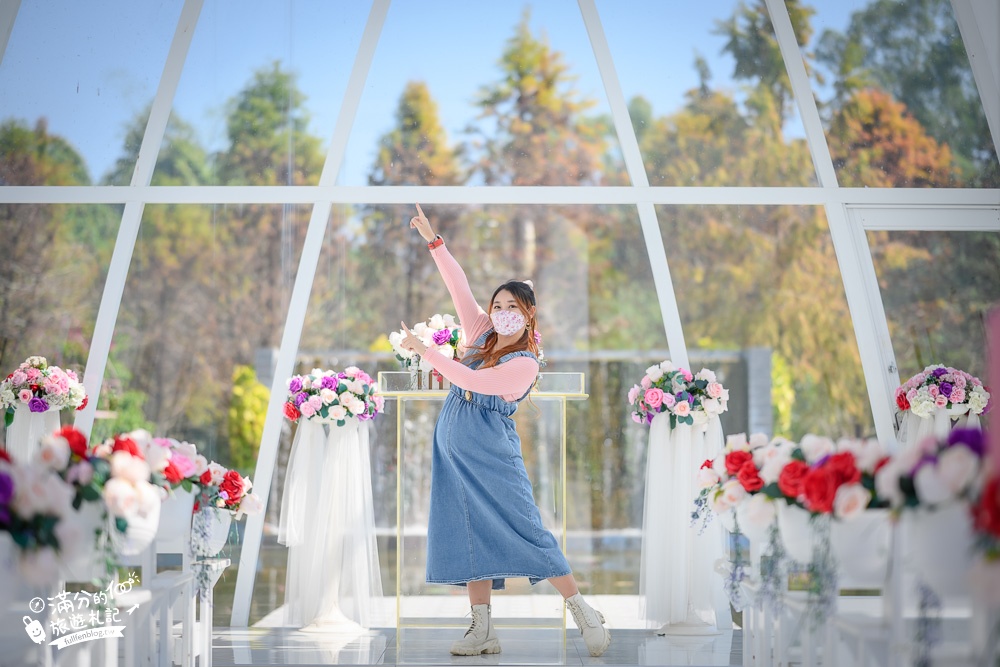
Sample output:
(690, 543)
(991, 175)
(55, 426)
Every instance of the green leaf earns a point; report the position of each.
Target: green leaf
(772, 491)
(689, 420)
(186, 484)
(797, 455)
(701, 384)
(8, 417)
(121, 524)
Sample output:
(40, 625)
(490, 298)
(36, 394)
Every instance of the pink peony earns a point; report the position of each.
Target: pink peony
(960, 381)
(682, 409)
(33, 374)
(19, 377)
(653, 397)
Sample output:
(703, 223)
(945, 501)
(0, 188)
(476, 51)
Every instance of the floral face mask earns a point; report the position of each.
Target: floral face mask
(508, 322)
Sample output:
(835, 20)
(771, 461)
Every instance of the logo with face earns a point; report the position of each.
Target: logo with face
(34, 629)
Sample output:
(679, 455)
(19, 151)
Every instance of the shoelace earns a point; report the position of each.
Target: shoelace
(472, 628)
(580, 617)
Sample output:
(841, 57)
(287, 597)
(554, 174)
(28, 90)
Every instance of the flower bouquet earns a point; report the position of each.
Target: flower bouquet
(685, 397)
(40, 388)
(440, 332)
(333, 397)
(934, 400)
(36, 513)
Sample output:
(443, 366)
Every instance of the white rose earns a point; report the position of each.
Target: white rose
(54, 452)
(200, 465)
(719, 467)
(737, 442)
(712, 406)
(420, 328)
(39, 567)
(147, 497)
(141, 437)
(187, 450)
(930, 486)
(815, 447)
(449, 321)
(328, 395)
(217, 472)
(720, 504)
(887, 483)
(654, 373)
(733, 492)
(958, 466)
(251, 504)
(707, 477)
(337, 412)
(851, 500)
(356, 406)
(31, 493)
(705, 374)
(758, 441)
(157, 456)
(770, 471)
(758, 511)
(867, 453)
(666, 367)
(130, 468)
(436, 322)
(355, 386)
(120, 497)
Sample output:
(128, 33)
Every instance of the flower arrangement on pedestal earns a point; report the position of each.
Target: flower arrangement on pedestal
(36, 512)
(686, 397)
(40, 387)
(942, 387)
(440, 332)
(333, 397)
(935, 474)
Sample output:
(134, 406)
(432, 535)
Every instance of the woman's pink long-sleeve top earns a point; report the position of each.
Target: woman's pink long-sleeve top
(511, 379)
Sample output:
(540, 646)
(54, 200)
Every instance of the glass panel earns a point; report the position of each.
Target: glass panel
(708, 94)
(203, 310)
(765, 281)
(262, 87)
(87, 73)
(526, 107)
(937, 316)
(51, 280)
(898, 97)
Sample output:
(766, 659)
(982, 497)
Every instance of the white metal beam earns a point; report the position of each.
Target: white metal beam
(927, 218)
(407, 194)
(8, 14)
(128, 230)
(267, 454)
(849, 241)
(979, 23)
(637, 173)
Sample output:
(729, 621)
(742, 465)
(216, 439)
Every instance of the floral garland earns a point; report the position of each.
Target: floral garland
(333, 398)
(942, 387)
(730, 478)
(685, 397)
(935, 472)
(41, 387)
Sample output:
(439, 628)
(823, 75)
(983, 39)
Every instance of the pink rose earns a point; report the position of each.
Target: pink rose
(958, 395)
(637, 418)
(307, 409)
(19, 377)
(911, 394)
(940, 400)
(687, 375)
(633, 393)
(24, 395)
(33, 374)
(682, 409)
(669, 400)
(653, 397)
(646, 382)
(960, 381)
(714, 389)
(934, 391)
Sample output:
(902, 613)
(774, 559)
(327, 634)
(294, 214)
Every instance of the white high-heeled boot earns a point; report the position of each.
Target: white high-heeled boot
(591, 624)
(479, 638)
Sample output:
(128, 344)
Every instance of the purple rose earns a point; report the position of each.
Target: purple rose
(441, 337)
(938, 372)
(364, 416)
(924, 460)
(342, 375)
(6, 489)
(38, 405)
(971, 438)
(945, 388)
(328, 382)
(294, 385)
(301, 398)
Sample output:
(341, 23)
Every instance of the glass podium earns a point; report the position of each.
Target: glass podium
(541, 424)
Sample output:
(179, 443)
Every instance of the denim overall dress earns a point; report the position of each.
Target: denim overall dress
(484, 523)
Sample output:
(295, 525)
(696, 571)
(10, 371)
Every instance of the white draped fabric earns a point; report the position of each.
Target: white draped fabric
(26, 431)
(328, 523)
(677, 578)
(913, 428)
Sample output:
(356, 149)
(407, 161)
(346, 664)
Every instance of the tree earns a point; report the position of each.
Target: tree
(914, 52)
(245, 423)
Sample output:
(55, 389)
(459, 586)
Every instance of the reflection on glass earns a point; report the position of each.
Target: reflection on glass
(86, 73)
(52, 275)
(899, 100)
(937, 288)
(767, 277)
(708, 94)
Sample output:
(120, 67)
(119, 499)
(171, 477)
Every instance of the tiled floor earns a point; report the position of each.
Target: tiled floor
(429, 646)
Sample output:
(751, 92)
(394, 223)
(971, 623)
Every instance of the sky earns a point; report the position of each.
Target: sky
(90, 84)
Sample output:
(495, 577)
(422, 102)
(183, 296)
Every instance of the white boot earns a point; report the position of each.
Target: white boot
(591, 624)
(479, 638)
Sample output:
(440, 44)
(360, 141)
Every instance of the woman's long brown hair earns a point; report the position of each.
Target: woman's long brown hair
(489, 354)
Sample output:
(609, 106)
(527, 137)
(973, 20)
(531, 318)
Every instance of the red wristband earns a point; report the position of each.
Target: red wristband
(438, 241)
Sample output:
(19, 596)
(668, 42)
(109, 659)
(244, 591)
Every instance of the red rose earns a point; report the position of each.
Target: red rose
(172, 473)
(901, 401)
(707, 464)
(735, 461)
(843, 468)
(292, 412)
(84, 404)
(749, 477)
(232, 484)
(4, 456)
(790, 479)
(197, 506)
(986, 513)
(819, 488)
(77, 441)
(123, 444)
(882, 462)
(206, 478)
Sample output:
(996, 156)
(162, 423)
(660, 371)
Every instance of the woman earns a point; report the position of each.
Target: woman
(484, 525)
